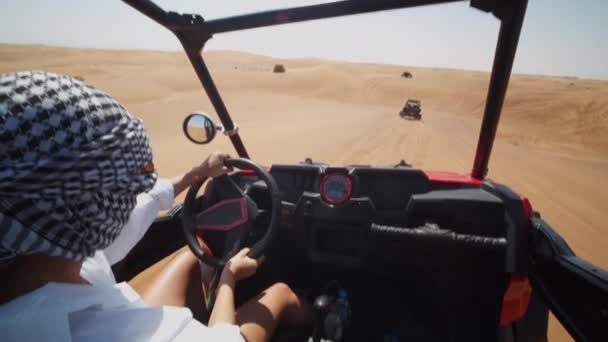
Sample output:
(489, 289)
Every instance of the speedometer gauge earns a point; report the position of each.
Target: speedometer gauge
(336, 188)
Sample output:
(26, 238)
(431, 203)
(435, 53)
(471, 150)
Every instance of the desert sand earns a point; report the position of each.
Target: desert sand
(552, 144)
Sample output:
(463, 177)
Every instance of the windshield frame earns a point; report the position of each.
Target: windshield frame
(193, 32)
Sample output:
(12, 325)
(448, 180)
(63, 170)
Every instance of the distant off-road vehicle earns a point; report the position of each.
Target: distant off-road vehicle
(412, 110)
(407, 74)
(278, 69)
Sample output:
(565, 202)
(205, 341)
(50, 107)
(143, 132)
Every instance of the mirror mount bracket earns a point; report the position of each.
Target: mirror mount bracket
(233, 131)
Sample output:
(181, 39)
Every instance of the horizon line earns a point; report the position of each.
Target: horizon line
(566, 77)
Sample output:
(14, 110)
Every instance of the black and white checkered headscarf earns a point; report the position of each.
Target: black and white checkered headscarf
(71, 164)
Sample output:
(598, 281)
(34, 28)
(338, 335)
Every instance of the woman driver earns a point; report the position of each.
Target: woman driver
(72, 160)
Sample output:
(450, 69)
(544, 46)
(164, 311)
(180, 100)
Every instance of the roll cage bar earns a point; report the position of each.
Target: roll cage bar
(193, 32)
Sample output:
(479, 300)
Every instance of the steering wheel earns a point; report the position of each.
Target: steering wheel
(230, 211)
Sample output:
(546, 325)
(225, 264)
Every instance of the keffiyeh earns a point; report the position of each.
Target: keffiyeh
(71, 164)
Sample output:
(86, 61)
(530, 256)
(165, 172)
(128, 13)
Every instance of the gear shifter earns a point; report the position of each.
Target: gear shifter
(321, 305)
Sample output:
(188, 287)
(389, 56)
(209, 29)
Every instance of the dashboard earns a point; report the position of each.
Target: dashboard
(386, 188)
(329, 211)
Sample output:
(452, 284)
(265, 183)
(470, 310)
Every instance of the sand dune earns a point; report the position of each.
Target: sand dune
(552, 144)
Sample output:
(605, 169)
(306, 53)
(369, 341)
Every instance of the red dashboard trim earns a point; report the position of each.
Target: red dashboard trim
(252, 173)
(446, 177)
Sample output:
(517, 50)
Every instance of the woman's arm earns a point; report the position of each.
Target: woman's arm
(142, 216)
(223, 310)
(238, 267)
(160, 197)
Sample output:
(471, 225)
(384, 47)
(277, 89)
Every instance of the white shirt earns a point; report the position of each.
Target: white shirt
(104, 310)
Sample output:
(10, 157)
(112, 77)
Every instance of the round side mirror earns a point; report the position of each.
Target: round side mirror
(199, 128)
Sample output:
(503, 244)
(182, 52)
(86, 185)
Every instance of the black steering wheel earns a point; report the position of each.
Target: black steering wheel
(230, 211)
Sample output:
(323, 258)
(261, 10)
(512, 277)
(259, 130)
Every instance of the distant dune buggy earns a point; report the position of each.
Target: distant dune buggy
(411, 110)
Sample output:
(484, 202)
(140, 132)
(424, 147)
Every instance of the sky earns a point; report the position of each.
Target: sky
(559, 37)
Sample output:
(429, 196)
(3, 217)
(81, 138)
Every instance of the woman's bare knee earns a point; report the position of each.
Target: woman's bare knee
(293, 310)
(283, 292)
(259, 317)
(172, 283)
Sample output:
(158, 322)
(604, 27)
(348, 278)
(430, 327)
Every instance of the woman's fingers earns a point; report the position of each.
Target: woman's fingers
(243, 252)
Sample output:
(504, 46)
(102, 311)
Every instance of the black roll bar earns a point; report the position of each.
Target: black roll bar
(512, 19)
(312, 12)
(193, 32)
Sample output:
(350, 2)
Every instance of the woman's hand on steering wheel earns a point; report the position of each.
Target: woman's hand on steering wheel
(212, 167)
(241, 266)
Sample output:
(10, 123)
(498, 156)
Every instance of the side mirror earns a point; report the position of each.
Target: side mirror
(200, 128)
